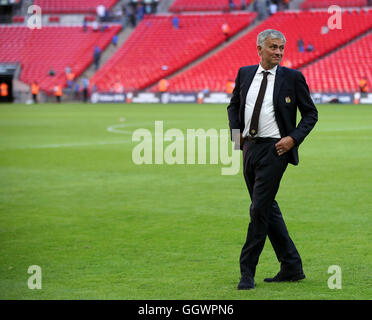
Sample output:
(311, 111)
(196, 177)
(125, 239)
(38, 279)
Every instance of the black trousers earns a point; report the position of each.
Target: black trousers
(263, 170)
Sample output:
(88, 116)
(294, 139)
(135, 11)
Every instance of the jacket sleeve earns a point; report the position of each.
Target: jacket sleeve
(309, 113)
(234, 106)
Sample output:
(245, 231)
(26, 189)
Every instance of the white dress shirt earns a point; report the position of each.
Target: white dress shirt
(267, 125)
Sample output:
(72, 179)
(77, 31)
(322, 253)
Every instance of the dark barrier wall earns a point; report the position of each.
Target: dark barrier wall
(8, 80)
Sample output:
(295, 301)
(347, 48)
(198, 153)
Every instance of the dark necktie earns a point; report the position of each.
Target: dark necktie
(257, 107)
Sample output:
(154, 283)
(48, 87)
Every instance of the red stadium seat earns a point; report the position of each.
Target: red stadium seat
(90, 18)
(51, 47)
(341, 71)
(18, 19)
(214, 72)
(313, 4)
(202, 5)
(164, 49)
(54, 19)
(72, 6)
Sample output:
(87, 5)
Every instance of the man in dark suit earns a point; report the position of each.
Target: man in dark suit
(262, 118)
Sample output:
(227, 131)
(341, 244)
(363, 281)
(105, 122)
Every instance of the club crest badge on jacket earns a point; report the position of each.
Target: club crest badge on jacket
(287, 99)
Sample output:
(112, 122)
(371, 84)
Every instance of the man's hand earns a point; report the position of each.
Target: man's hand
(284, 145)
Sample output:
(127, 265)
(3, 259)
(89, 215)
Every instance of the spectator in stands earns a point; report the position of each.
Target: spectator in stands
(226, 31)
(101, 12)
(363, 85)
(286, 4)
(163, 85)
(176, 22)
(85, 83)
(104, 27)
(310, 47)
(131, 16)
(115, 40)
(243, 4)
(154, 6)
(118, 14)
(231, 5)
(324, 30)
(148, 9)
(273, 7)
(96, 57)
(34, 91)
(58, 92)
(124, 18)
(140, 12)
(85, 25)
(95, 25)
(261, 7)
(300, 45)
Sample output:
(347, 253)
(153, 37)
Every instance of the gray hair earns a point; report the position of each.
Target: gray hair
(269, 33)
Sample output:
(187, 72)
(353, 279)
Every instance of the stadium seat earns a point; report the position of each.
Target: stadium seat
(72, 6)
(54, 19)
(202, 5)
(214, 72)
(313, 4)
(51, 47)
(164, 49)
(18, 19)
(342, 70)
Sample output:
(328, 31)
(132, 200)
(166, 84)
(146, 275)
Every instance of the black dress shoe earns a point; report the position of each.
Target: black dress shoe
(284, 276)
(246, 283)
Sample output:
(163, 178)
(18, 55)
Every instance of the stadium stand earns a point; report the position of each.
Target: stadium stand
(313, 4)
(55, 48)
(202, 5)
(341, 71)
(18, 19)
(73, 6)
(164, 48)
(214, 72)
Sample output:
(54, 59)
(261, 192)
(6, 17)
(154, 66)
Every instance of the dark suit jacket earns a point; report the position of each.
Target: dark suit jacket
(290, 92)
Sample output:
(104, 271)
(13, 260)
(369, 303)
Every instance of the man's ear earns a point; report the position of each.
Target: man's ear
(259, 49)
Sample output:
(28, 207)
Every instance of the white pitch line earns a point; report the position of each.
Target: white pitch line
(114, 128)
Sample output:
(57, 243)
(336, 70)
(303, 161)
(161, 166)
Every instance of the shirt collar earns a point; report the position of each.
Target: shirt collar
(272, 71)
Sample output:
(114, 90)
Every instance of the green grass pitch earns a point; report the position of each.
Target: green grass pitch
(100, 227)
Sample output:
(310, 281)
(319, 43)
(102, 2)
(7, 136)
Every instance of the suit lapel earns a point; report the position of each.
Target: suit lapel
(279, 78)
(248, 81)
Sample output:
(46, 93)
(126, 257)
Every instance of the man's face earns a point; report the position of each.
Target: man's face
(272, 53)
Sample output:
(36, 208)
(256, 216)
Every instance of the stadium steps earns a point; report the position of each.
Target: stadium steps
(164, 6)
(210, 53)
(123, 35)
(295, 4)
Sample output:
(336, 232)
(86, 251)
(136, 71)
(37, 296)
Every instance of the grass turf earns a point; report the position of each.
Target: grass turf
(100, 227)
